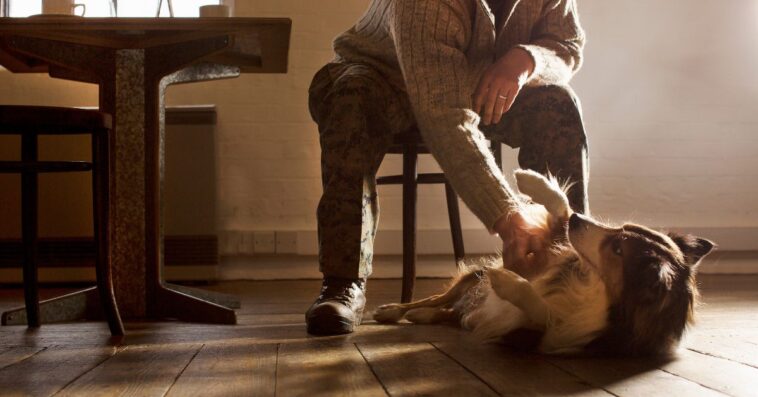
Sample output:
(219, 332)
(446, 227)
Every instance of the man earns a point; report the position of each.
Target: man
(448, 67)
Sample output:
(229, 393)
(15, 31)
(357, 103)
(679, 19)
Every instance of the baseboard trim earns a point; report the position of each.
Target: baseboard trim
(478, 241)
(289, 267)
(79, 274)
(79, 252)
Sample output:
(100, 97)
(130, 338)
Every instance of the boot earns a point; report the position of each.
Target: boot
(339, 307)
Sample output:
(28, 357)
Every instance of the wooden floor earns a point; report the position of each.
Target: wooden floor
(269, 353)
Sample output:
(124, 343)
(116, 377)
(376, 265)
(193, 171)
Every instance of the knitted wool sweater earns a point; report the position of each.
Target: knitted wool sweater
(436, 51)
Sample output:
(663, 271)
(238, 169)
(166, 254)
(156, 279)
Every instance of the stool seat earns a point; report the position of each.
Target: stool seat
(51, 120)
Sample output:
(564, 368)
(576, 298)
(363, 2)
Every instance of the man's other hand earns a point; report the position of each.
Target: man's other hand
(501, 83)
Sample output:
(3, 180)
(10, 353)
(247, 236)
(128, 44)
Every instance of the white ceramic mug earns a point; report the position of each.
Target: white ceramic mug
(61, 7)
(215, 11)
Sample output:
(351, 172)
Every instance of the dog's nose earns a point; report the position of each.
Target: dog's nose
(575, 221)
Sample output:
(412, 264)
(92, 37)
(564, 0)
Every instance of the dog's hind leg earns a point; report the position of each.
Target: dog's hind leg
(432, 315)
(394, 312)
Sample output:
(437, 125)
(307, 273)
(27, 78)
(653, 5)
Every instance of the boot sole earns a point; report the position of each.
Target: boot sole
(337, 325)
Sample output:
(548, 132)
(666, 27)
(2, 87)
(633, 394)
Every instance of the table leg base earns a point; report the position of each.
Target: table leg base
(185, 307)
(219, 298)
(84, 304)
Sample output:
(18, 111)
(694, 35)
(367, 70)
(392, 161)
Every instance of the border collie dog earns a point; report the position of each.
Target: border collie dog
(596, 289)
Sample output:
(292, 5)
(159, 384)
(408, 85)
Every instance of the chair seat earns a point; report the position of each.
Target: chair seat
(15, 167)
(51, 120)
(423, 179)
(412, 136)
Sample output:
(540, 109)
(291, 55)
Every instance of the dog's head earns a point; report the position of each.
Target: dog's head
(650, 279)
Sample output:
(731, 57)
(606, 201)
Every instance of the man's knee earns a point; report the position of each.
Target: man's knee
(556, 93)
(351, 87)
(555, 109)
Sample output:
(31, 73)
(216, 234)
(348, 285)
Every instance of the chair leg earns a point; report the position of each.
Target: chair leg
(410, 177)
(100, 192)
(29, 231)
(454, 214)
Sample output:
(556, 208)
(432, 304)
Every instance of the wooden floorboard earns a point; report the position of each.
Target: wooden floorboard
(630, 377)
(229, 369)
(526, 374)
(51, 369)
(716, 373)
(418, 369)
(135, 371)
(14, 354)
(269, 353)
(324, 368)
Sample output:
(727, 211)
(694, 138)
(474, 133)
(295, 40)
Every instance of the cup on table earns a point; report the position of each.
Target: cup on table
(215, 11)
(61, 7)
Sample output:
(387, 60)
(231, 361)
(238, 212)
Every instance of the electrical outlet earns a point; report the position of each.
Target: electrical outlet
(286, 242)
(264, 242)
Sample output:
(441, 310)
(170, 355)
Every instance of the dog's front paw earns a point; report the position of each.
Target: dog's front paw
(390, 313)
(506, 284)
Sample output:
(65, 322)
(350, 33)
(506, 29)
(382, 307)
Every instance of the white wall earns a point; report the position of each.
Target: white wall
(670, 98)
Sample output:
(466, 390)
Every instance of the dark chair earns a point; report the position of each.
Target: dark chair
(410, 145)
(29, 122)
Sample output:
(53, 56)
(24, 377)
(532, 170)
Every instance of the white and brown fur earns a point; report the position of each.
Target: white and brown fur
(625, 290)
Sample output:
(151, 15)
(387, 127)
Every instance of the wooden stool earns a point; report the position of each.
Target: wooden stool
(29, 122)
(410, 145)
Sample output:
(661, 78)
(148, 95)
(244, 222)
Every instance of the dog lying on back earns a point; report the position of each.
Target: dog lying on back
(596, 289)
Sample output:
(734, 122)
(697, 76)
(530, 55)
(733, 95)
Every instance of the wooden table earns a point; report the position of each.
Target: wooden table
(133, 60)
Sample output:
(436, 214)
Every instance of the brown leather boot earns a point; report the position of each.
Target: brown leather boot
(339, 308)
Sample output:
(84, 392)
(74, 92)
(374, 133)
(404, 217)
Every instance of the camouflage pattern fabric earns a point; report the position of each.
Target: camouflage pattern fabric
(358, 113)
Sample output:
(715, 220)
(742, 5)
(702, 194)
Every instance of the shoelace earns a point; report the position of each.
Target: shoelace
(343, 292)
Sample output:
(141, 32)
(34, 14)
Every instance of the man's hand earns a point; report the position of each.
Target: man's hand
(501, 83)
(521, 236)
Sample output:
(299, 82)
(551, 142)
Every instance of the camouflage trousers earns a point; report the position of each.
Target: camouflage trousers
(358, 113)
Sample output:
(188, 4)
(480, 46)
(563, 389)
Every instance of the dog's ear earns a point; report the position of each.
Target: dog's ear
(693, 247)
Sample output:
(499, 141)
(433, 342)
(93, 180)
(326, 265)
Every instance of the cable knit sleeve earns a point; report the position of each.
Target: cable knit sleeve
(557, 44)
(430, 37)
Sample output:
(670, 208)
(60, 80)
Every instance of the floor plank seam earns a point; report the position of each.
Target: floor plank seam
(582, 380)
(115, 351)
(466, 368)
(693, 381)
(276, 367)
(370, 367)
(721, 357)
(179, 375)
(25, 358)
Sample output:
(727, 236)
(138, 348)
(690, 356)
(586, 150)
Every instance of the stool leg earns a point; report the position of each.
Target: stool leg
(410, 177)
(29, 230)
(101, 202)
(454, 214)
